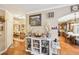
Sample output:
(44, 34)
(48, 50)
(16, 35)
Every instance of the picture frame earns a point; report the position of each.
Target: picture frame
(2, 22)
(1, 26)
(35, 20)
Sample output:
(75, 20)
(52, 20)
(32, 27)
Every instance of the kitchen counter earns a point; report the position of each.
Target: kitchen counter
(75, 37)
(73, 34)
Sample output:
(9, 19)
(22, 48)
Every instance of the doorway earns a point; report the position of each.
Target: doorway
(68, 34)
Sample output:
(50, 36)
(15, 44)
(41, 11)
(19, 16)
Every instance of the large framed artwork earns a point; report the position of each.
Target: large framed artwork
(35, 20)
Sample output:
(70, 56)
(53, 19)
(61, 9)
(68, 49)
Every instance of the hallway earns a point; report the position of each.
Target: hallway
(18, 48)
(67, 49)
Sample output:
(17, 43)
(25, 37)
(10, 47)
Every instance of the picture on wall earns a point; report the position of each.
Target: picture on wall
(35, 20)
(1, 26)
(2, 19)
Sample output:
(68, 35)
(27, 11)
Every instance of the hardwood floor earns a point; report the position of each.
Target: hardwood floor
(68, 49)
(18, 48)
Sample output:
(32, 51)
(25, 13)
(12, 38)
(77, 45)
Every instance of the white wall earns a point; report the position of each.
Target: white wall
(9, 29)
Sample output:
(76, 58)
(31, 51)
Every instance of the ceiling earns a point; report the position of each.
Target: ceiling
(25, 8)
(71, 16)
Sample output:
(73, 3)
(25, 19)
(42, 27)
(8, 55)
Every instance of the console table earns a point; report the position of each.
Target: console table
(42, 46)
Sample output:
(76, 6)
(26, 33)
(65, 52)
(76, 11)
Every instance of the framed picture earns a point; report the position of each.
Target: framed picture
(2, 19)
(35, 20)
(1, 26)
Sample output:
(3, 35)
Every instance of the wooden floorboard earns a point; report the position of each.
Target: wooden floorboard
(18, 48)
(67, 48)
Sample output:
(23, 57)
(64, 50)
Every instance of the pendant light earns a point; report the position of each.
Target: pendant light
(75, 8)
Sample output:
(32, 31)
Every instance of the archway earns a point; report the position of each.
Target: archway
(68, 33)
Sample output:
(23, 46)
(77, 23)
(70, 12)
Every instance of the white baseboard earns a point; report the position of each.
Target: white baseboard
(4, 50)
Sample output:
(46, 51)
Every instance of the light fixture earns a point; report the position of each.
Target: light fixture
(74, 8)
(50, 14)
(19, 17)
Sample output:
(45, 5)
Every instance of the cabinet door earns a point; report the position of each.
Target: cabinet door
(28, 43)
(36, 46)
(36, 43)
(45, 47)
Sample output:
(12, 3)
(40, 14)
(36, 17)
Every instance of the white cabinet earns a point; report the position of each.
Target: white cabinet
(42, 46)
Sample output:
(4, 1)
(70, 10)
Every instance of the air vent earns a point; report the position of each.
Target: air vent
(74, 8)
(50, 14)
